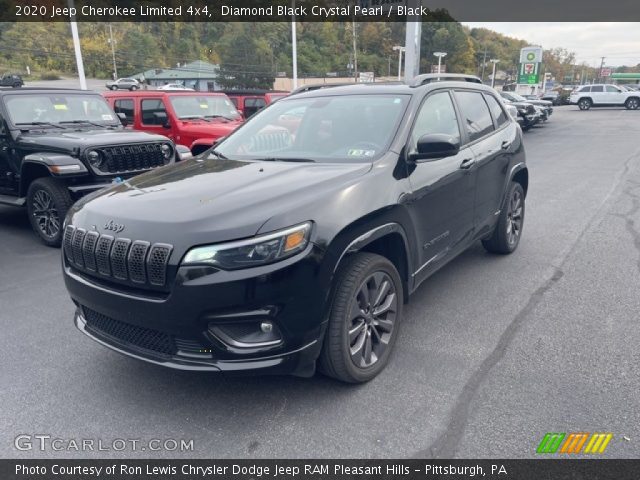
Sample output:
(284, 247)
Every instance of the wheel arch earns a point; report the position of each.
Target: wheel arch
(30, 172)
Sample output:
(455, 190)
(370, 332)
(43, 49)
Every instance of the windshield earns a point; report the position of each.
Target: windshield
(204, 106)
(353, 128)
(57, 108)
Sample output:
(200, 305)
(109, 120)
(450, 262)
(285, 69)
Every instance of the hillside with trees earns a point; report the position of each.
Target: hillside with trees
(252, 54)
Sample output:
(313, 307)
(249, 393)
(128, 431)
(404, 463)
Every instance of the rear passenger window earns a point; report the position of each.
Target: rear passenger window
(149, 108)
(496, 110)
(126, 107)
(597, 89)
(475, 114)
(436, 115)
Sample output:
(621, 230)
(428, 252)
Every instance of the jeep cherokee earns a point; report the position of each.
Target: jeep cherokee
(56, 145)
(281, 249)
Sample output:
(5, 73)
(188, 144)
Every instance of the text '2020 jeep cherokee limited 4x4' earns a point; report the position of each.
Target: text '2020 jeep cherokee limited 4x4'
(56, 145)
(296, 244)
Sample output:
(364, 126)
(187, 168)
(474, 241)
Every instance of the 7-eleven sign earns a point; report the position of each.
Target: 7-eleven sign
(529, 73)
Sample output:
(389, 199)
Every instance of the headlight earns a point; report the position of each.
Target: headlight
(167, 151)
(95, 159)
(253, 252)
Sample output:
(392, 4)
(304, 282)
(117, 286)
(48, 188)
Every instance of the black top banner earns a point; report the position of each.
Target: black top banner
(317, 10)
(181, 469)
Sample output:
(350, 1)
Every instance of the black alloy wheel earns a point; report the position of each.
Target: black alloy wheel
(48, 203)
(508, 231)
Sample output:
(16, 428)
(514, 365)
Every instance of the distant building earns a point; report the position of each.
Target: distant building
(198, 75)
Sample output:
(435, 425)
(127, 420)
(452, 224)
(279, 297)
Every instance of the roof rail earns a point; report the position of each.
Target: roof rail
(317, 86)
(443, 77)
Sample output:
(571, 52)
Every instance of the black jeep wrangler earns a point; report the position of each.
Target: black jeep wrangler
(56, 145)
(11, 80)
(298, 239)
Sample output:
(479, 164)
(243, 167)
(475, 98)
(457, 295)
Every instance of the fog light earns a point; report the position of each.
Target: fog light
(266, 327)
(247, 335)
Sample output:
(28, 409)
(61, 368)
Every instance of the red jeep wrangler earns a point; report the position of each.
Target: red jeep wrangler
(194, 119)
(249, 102)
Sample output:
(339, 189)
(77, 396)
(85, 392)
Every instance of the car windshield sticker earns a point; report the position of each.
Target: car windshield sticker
(60, 106)
(204, 106)
(107, 117)
(356, 152)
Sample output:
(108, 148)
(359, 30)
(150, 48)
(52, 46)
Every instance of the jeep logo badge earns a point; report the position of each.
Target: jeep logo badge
(113, 226)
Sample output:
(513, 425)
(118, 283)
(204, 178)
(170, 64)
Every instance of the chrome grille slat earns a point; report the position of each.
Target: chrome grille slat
(138, 262)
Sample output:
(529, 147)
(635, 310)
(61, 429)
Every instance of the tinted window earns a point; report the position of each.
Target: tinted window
(612, 89)
(124, 106)
(496, 110)
(585, 89)
(252, 105)
(475, 114)
(436, 115)
(149, 108)
(597, 88)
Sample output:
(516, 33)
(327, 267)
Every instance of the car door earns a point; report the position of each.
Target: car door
(614, 95)
(154, 117)
(493, 154)
(441, 201)
(6, 170)
(597, 95)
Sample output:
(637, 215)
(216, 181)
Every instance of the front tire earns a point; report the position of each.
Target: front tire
(584, 104)
(506, 236)
(364, 318)
(48, 202)
(632, 103)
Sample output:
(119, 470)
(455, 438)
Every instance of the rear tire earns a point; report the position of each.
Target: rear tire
(584, 104)
(632, 103)
(364, 318)
(506, 236)
(48, 202)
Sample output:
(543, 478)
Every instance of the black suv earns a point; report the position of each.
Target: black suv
(11, 80)
(56, 145)
(300, 236)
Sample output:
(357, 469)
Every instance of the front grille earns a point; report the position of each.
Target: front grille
(117, 258)
(130, 158)
(531, 109)
(144, 338)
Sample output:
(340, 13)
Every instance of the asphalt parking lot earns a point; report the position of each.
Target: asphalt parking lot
(493, 353)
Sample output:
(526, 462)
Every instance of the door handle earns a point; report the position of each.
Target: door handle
(467, 163)
(505, 145)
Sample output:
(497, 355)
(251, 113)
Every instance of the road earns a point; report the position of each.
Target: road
(493, 353)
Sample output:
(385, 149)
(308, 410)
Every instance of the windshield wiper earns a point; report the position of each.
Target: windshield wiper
(195, 117)
(218, 154)
(40, 124)
(218, 116)
(86, 121)
(285, 159)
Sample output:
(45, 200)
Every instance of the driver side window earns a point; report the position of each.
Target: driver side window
(436, 115)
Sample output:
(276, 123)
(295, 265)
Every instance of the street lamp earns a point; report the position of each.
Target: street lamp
(440, 55)
(399, 49)
(112, 42)
(495, 61)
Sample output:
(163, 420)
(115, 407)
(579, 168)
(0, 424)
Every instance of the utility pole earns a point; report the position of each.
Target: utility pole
(76, 48)
(294, 48)
(355, 51)
(113, 52)
(399, 49)
(484, 62)
(495, 61)
(440, 55)
(601, 67)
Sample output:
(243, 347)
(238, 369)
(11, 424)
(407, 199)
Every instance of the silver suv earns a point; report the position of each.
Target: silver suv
(124, 84)
(603, 95)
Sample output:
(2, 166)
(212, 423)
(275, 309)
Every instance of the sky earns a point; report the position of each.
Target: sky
(618, 42)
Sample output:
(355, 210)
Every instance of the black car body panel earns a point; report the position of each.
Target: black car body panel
(421, 213)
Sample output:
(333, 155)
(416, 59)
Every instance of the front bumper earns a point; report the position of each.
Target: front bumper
(178, 328)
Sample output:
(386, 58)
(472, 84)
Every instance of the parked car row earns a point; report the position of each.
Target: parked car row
(530, 112)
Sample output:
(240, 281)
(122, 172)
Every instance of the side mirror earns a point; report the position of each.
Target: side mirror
(433, 146)
(123, 119)
(161, 119)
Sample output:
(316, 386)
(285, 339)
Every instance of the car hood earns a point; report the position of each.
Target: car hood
(203, 201)
(71, 140)
(217, 128)
(541, 103)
